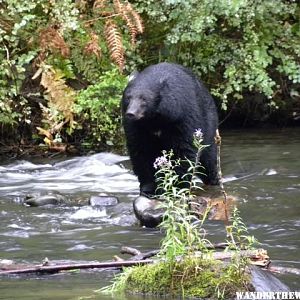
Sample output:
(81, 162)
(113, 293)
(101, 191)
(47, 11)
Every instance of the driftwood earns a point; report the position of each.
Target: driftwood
(283, 270)
(137, 255)
(138, 258)
(67, 267)
(257, 257)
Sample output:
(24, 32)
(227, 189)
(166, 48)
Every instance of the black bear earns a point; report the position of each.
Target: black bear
(162, 107)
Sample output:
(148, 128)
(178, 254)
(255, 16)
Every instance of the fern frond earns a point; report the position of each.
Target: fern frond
(109, 11)
(101, 7)
(60, 100)
(127, 17)
(100, 4)
(118, 6)
(133, 21)
(135, 17)
(92, 46)
(114, 43)
(50, 39)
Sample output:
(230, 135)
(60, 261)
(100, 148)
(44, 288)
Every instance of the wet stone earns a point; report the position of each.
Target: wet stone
(265, 281)
(103, 201)
(125, 220)
(41, 200)
(148, 211)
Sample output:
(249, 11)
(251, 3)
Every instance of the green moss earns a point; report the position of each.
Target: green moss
(191, 277)
(153, 279)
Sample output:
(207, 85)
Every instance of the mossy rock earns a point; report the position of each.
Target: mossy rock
(189, 278)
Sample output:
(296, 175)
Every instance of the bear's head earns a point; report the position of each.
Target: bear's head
(154, 96)
(139, 103)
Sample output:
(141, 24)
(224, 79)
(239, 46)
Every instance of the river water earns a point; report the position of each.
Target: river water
(261, 168)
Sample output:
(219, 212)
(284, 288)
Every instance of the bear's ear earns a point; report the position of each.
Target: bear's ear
(163, 82)
(133, 75)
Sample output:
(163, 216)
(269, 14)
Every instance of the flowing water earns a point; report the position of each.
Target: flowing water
(261, 168)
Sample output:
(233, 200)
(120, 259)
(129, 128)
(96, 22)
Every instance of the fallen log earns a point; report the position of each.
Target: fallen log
(67, 267)
(255, 256)
(139, 255)
(283, 270)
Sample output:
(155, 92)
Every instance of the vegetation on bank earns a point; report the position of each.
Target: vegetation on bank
(61, 69)
(186, 265)
(63, 64)
(188, 278)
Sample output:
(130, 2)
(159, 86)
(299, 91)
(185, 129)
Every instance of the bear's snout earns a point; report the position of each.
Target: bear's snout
(133, 116)
(134, 111)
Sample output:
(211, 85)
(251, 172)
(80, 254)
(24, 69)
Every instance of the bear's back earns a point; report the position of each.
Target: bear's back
(154, 76)
(165, 75)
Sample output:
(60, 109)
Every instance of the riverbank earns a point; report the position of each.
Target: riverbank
(11, 149)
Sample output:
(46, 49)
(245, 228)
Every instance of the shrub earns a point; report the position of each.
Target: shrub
(97, 109)
(237, 47)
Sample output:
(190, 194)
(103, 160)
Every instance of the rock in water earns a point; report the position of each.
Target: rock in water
(265, 281)
(50, 199)
(148, 211)
(103, 201)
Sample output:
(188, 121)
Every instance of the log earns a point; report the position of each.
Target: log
(67, 267)
(283, 270)
(257, 257)
(130, 250)
(137, 255)
(254, 255)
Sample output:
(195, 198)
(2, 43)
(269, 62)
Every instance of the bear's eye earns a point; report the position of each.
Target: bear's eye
(143, 99)
(127, 100)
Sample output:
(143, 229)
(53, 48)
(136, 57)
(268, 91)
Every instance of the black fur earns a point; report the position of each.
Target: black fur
(162, 107)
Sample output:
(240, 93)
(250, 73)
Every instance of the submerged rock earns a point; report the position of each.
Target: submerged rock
(265, 281)
(103, 200)
(124, 220)
(148, 211)
(40, 200)
(122, 215)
